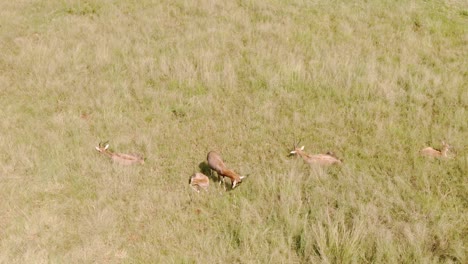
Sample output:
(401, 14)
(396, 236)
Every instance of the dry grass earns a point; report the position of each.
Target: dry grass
(173, 80)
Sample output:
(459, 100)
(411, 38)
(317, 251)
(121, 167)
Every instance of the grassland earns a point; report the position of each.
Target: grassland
(374, 82)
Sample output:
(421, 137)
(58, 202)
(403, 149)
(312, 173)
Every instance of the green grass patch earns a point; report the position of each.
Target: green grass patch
(172, 80)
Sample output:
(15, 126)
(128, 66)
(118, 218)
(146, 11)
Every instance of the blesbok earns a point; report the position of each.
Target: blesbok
(199, 181)
(320, 159)
(120, 158)
(216, 163)
(436, 153)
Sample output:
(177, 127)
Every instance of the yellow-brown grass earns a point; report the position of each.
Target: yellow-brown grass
(175, 79)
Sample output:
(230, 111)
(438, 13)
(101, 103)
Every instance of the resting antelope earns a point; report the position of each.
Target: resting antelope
(431, 152)
(120, 158)
(320, 159)
(199, 181)
(216, 163)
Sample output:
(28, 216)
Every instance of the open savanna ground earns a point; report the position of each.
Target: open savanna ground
(373, 82)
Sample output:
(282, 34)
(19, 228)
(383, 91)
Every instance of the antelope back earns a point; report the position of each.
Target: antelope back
(324, 160)
(215, 161)
(199, 179)
(430, 152)
(125, 159)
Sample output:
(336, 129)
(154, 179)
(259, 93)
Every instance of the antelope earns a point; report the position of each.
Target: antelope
(435, 153)
(120, 158)
(199, 181)
(327, 159)
(216, 163)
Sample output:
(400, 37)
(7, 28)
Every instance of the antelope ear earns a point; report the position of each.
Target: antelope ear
(98, 149)
(106, 147)
(292, 152)
(242, 177)
(302, 148)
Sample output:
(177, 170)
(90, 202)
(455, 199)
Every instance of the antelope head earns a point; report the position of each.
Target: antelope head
(102, 147)
(445, 148)
(236, 183)
(295, 148)
(445, 145)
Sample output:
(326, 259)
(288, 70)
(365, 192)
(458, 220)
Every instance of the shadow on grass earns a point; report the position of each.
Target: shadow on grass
(205, 169)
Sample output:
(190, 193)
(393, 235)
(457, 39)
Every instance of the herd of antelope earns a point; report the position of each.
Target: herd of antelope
(200, 181)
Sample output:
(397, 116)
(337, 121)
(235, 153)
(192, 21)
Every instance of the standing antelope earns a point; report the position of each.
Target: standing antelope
(216, 163)
(431, 152)
(120, 158)
(199, 181)
(320, 159)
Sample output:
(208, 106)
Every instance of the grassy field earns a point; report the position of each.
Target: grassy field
(374, 82)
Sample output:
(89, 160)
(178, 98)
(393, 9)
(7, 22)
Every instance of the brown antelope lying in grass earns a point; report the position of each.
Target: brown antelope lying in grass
(320, 159)
(199, 181)
(216, 163)
(435, 153)
(120, 158)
